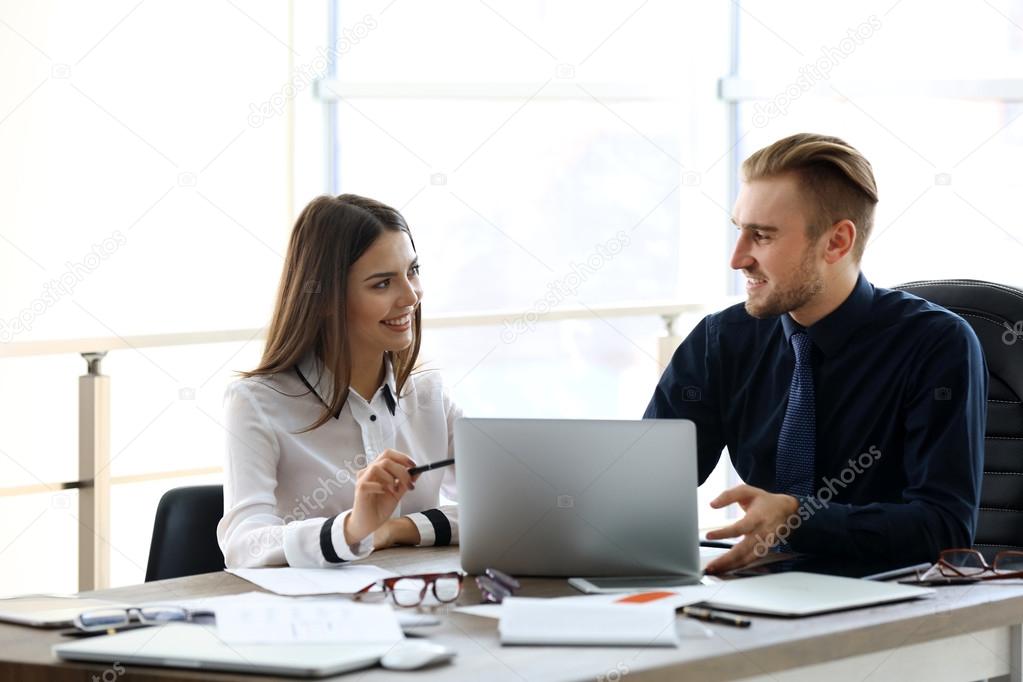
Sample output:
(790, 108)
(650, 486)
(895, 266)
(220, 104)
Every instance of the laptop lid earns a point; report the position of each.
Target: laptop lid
(187, 645)
(564, 497)
(805, 594)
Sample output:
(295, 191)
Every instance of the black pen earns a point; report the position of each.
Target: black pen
(427, 467)
(716, 617)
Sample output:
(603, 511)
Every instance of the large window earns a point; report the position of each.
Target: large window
(929, 92)
(138, 195)
(548, 155)
(555, 155)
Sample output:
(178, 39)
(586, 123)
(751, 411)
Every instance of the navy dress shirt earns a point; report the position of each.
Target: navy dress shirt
(901, 391)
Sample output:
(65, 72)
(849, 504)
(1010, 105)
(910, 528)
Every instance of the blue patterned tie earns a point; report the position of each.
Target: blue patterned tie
(794, 466)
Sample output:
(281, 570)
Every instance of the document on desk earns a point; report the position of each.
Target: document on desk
(676, 598)
(574, 623)
(296, 582)
(307, 621)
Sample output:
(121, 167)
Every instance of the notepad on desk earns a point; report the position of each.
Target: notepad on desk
(582, 622)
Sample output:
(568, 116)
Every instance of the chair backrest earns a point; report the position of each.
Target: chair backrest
(995, 312)
(185, 533)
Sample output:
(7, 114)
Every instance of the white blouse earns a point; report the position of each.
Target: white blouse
(287, 494)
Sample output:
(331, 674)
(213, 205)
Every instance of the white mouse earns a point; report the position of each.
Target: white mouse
(410, 655)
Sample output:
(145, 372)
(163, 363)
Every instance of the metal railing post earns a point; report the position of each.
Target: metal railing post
(667, 344)
(94, 475)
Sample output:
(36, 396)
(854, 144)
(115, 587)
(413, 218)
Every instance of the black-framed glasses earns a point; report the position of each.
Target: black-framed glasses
(495, 585)
(98, 620)
(971, 564)
(412, 590)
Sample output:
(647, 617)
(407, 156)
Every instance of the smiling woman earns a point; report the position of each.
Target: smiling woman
(323, 432)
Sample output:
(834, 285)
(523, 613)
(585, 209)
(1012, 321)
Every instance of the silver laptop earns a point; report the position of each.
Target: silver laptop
(186, 645)
(806, 594)
(565, 497)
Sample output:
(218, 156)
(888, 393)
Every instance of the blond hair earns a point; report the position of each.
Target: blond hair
(835, 178)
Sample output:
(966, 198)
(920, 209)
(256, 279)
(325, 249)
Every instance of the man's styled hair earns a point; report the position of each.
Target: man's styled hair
(836, 180)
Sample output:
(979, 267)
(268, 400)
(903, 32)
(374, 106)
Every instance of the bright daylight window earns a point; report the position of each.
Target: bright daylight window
(572, 157)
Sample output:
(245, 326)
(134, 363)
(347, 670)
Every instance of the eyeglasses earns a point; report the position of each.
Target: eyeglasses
(969, 563)
(495, 585)
(98, 620)
(411, 590)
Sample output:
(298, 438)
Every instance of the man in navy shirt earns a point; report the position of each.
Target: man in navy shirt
(854, 414)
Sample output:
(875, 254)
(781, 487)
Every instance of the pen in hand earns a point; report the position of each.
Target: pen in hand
(427, 467)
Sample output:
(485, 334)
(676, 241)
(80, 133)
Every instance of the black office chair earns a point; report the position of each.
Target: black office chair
(995, 312)
(185, 533)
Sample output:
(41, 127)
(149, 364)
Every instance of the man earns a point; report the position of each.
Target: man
(854, 414)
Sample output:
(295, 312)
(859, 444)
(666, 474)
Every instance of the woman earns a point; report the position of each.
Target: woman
(323, 432)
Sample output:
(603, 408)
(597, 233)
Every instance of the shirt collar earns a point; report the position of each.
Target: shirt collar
(321, 379)
(832, 331)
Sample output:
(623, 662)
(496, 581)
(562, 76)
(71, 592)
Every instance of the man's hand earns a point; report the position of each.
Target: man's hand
(765, 514)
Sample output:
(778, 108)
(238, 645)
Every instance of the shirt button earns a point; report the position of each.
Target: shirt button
(372, 417)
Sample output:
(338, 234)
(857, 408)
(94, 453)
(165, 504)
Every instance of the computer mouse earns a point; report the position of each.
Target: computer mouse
(410, 655)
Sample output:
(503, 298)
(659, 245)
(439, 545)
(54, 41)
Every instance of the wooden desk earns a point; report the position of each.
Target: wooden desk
(963, 633)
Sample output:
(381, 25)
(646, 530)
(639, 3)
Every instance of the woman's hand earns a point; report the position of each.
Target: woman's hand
(396, 532)
(378, 489)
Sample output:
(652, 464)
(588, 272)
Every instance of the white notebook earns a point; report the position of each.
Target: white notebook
(584, 622)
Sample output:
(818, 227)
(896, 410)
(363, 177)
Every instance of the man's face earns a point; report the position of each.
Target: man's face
(782, 268)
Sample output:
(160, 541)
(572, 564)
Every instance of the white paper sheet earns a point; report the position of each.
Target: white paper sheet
(407, 618)
(481, 610)
(295, 582)
(675, 597)
(214, 602)
(307, 621)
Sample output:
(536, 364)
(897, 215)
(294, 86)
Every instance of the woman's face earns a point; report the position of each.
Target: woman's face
(383, 292)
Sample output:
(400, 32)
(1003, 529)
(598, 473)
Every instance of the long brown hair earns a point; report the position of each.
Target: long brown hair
(311, 310)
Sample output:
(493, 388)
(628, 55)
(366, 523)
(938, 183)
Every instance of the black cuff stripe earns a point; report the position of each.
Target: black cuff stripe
(441, 527)
(327, 542)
